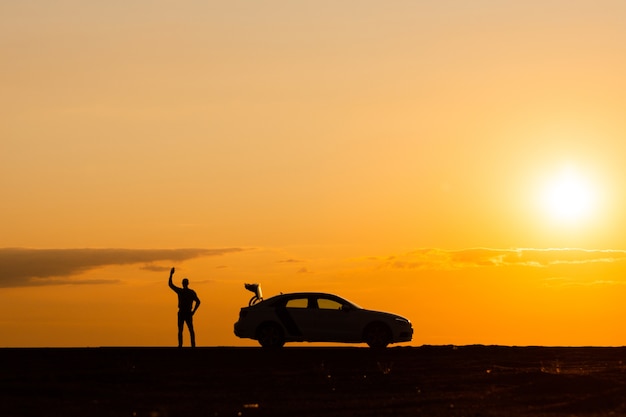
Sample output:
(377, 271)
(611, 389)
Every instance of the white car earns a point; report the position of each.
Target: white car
(317, 317)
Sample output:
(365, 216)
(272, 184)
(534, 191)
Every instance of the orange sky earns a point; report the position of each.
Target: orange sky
(410, 157)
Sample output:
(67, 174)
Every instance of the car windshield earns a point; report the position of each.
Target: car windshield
(356, 305)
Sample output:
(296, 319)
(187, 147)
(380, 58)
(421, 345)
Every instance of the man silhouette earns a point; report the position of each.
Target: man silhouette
(186, 308)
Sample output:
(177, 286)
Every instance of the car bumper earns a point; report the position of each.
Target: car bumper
(237, 329)
(404, 335)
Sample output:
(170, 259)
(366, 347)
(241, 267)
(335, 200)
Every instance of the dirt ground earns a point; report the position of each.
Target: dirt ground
(313, 381)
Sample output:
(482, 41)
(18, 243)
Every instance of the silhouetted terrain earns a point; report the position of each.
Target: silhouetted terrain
(306, 381)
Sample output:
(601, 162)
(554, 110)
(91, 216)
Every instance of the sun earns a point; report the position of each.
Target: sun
(569, 196)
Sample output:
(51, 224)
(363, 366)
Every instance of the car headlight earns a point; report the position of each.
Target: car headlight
(401, 320)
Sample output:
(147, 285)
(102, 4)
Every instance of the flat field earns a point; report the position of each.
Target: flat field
(313, 381)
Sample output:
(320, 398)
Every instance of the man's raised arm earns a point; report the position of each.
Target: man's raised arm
(170, 283)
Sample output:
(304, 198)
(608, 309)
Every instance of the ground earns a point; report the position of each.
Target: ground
(313, 381)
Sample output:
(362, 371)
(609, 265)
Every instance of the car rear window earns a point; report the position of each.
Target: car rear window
(297, 303)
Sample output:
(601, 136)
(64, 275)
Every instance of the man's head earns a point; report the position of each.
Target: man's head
(185, 282)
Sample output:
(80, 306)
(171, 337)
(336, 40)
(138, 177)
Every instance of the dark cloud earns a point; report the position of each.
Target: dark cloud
(289, 261)
(486, 257)
(155, 268)
(36, 267)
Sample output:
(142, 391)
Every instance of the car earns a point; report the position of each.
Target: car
(317, 317)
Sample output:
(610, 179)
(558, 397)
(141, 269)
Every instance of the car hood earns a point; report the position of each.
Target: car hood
(385, 315)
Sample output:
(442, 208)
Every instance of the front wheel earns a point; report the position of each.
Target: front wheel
(377, 336)
(270, 335)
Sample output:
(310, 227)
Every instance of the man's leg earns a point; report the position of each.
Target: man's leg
(181, 323)
(192, 334)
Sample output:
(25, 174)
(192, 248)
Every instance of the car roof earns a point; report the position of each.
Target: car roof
(308, 294)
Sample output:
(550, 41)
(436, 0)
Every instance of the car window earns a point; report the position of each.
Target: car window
(326, 304)
(297, 303)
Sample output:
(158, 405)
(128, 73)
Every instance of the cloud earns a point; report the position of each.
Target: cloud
(155, 268)
(21, 267)
(485, 257)
(561, 282)
(289, 261)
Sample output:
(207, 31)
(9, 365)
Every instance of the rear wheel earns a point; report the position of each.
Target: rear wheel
(377, 335)
(270, 335)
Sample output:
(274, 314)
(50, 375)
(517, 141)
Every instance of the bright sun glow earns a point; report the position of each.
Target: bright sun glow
(569, 197)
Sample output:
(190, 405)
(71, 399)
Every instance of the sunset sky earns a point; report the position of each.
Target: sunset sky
(460, 163)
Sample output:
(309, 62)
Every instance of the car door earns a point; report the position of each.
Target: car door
(296, 317)
(333, 321)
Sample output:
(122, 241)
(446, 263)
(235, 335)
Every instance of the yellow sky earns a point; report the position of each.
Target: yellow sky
(402, 155)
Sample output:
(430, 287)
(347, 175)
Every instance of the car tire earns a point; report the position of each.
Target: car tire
(270, 335)
(377, 335)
